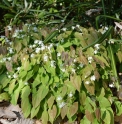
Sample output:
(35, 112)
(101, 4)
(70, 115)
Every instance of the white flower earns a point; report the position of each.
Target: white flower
(58, 54)
(61, 4)
(36, 41)
(32, 55)
(26, 83)
(103, 31)
(70, 94)
(18, 68)
(59, 98)
(90, 59)
(81, 65)
(62, 104)
(111, 85)
(9, 76)
(77, 26)
(9, 28)
(24, 58)
(50, 46)
(30, 46)
(97, 46)
(52, 63)
(75, 60)
(4, 59)
(63, 69)
(15, 75)
(62, 40)
(111, 41)
(95, 52)
(10, 50)
(7, 41)
(93, 78)
(64, 29)
(2, 36)
(35, 29)
(16, 33)
(87, 82)
(38, 50)
(10, 43)
(73, 70)
(106, 28)
(34, 45)
(62, 21)
(9, 58)
(43, 47)
(45, 57)
(73, 27)
(40, 42)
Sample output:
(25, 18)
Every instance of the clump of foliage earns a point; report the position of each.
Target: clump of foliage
(59, 75)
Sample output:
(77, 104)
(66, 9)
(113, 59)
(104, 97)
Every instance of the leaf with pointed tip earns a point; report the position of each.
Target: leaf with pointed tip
(76, 81)
(40, 95)
(52, 113)
(73, 109)
(89, 115)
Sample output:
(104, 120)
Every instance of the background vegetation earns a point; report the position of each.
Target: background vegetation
(61, 60)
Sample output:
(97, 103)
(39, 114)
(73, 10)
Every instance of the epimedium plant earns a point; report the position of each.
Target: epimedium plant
(66, 73)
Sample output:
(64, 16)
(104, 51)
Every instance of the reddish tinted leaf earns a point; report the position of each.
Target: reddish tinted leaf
(89, 115)
(98, 113)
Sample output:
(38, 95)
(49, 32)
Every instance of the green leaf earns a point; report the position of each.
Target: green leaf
(34, 111)
(17, 46)
(25, 103)
(12, 85)
(4, 7)
(113, 65)
(80, 37)
(36, 81)
(105, 116)
(40, 95)
(51, 36)
(7, 3)
(67, 44)
(119, 55)
(50, 69)
(82, 97)
(17, 92)
(44, 117)
(85, 121)
(45, 79)
(104, 102)
(8, 15)
(25, 41)
(4, 80)
(4, 97)
(22, 74)
(118, 106)
(36, 36)
(29, 74)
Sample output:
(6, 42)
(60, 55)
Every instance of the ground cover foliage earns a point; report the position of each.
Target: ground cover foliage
(62, 59)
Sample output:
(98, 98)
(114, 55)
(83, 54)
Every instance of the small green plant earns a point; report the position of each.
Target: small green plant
(63, 73)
